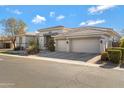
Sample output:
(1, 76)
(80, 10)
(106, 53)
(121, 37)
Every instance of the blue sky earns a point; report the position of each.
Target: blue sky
(43, 16)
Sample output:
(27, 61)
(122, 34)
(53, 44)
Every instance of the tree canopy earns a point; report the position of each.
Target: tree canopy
(13, 27)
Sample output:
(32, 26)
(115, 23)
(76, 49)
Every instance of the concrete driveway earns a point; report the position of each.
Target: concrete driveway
(65, 55)
(31, 73)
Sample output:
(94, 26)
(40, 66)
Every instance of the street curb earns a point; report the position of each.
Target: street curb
(94, 59)
(64, 61)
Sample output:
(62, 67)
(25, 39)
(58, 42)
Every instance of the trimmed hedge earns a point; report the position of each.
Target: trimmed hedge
(118, 48)
(104, 56)
(122, 42)
(115, 56)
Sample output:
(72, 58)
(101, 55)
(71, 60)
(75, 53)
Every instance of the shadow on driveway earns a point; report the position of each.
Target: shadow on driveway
(65, 55)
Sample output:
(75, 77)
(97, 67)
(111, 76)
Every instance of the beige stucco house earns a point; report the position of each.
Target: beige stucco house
(45, 34)
(21, 40)
(5, 43)
(24, 39)
(82, 39)
(41, 36)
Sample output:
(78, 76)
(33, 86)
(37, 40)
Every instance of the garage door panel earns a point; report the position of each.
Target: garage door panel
(85, 45)
(61, 45)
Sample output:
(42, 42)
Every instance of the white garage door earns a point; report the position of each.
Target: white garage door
(61, 45)
(91, 45)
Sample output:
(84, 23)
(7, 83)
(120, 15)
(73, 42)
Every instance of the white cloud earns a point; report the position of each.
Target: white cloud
(52, 14)
(92, 22)
(60, 17)
(82, 23)
(38, 19)
(100, 8)
(18, 12)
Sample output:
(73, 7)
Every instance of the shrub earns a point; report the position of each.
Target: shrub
(51, 46)
(115, 44)
(122, 43)
(115, 56)
(104, 56)
(110, 48)
(32, 50)
(19, 48)
(33, 47)
(118, 48)
(122, 51)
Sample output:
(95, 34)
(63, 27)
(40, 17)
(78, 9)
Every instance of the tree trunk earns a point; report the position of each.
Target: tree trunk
(13, 42)
(14, 45)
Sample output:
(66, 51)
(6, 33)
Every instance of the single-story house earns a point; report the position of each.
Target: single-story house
(45, 34)
(42, 36)
(82, 39)
(5, 43)
(24, 39)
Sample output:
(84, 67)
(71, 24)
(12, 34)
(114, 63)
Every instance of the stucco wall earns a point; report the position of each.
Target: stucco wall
(1, 45)
(52, 31)
(25, 40)
(42, 39)
(17, 41)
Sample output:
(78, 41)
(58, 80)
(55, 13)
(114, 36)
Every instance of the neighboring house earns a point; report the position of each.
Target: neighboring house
(24, 40)
(5, 43)
(82, 39)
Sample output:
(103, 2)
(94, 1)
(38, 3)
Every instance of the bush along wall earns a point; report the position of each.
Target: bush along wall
(118, 48)
(104, 56)
(113, 54)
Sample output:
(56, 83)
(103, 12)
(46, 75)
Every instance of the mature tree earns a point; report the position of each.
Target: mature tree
(13, 27)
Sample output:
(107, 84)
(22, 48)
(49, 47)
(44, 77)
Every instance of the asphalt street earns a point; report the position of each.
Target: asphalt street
(32, 73)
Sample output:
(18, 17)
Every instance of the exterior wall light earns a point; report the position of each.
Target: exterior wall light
(67, 42)
(101, 41)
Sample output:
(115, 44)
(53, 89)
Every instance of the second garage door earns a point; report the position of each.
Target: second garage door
(88, 45)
